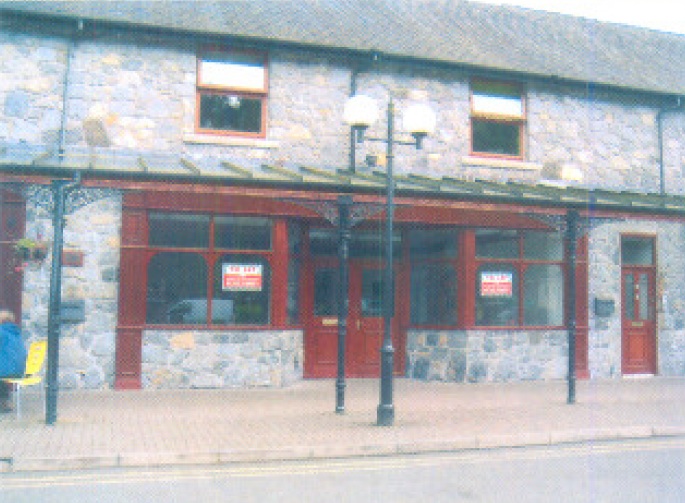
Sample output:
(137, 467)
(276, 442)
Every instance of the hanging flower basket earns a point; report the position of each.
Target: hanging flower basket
(30, 249)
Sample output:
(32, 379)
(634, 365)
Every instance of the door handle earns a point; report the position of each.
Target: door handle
(359, 324)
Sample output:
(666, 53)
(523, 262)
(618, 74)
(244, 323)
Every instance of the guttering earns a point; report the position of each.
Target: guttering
(660, 140)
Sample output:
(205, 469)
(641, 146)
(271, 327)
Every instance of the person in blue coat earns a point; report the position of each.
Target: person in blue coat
(12, 356)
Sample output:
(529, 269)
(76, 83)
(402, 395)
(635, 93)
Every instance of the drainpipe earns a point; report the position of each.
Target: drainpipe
(353, 140)
(660, 140)
(65, 91)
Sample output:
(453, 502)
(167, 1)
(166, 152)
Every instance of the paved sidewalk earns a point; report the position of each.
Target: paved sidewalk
(107, 428)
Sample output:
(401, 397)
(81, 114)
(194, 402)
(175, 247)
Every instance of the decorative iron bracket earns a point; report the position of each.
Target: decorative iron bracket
(330, 210)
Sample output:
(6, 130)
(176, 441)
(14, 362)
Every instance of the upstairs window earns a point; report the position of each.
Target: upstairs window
(232, 93)
(497, 118)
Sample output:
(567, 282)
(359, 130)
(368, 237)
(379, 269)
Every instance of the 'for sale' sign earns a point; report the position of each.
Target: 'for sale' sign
(242, 277)
(496, 284)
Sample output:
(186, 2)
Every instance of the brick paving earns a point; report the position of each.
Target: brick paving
(109, 428)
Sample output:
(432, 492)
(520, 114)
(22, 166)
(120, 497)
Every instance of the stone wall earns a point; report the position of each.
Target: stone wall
(87, 347)
(605, 283)
(486, 355)
(200, 359)
(139, 95)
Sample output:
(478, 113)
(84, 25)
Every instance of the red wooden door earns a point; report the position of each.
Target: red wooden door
(638, 321)
(321, 320)
(364, 323)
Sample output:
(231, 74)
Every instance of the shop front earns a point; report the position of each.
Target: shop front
(248, 278)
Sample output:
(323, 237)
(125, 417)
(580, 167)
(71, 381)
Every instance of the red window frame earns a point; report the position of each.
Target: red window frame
(498, 118)
(214, 89)
(211, 255)
(519, 264)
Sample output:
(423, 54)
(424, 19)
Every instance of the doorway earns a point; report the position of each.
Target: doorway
(365, 323)
(638, 311)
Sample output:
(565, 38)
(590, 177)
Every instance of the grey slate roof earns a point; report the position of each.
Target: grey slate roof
(504, 38)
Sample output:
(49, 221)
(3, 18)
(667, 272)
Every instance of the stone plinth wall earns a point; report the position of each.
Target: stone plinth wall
(485, 356)
(214, 359)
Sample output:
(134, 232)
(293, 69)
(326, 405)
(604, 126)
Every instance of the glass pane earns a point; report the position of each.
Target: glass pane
(238, 71)
(323, 243)
(179, 230)
(543, 295)
(637, 251)
(497, 295)
(497, 99)
(497, 244)
(372, 293)
(427, 308)
(500, 138)
(230, 112)
(294, 238)
(363, 244)
(242, 287)
(629, 296)
(543, 246)
(326, 292)
(242, 233)
(294, 268)
(433, 243)
(643, 299)
(177, 289)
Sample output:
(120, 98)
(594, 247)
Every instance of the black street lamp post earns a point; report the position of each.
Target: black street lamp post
(419, 120)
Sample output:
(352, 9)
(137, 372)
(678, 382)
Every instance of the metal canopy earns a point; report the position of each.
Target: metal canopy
(104, 163)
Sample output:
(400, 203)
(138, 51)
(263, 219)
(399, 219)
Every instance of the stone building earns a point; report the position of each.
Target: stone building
(541, 222)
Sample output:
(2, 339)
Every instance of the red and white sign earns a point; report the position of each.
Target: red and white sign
(242, 277)
(496, 284)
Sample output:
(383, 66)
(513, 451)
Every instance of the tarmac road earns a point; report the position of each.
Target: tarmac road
(649, 470)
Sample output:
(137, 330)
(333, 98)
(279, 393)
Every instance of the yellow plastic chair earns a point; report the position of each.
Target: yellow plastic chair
(34, 364)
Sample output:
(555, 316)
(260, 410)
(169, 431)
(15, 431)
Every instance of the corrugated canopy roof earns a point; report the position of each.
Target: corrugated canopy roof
(503, 38)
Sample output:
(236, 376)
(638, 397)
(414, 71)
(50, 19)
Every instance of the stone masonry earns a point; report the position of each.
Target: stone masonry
(140, 96)
(202, 359)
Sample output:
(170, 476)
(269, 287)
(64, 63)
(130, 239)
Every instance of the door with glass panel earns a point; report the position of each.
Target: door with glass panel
(321, 334)
(638, 280)
(365, 320)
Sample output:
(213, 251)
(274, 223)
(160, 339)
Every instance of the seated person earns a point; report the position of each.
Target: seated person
(12, 357)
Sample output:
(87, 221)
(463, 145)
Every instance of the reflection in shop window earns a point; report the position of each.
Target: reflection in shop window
(433, 285)
(543, 300)
(497, 295)
(177, 289)
(243, 283)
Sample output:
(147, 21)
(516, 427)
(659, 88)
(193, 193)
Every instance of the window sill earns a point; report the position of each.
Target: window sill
(496, 163)
(228, 141)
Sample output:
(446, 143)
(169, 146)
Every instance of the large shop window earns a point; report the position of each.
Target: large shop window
(497, 119)
(232, 93)
(197, 257)
(519, 278)
(433, 290)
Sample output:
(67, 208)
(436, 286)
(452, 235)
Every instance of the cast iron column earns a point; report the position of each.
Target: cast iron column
(386, 409)
(344, 204)
(59, 191)
(571, 229)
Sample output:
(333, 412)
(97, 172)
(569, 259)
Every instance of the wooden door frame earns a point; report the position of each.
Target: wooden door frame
(651, 340)
(308, 317)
